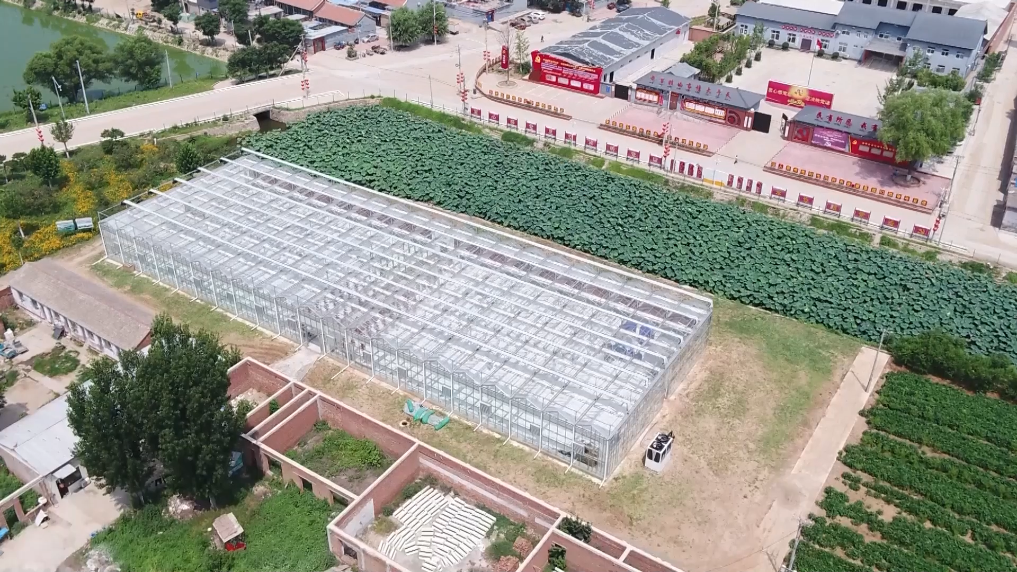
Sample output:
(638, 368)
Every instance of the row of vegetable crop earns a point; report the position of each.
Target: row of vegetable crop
(957, 445)
(933, 544)
(881, 555)
(751, 258)
(811, 558)
(978, 416)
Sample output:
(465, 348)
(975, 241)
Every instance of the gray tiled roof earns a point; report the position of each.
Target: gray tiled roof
(869, 16)
(702, 90)
(614, 39)
(950, 31)
(850, 123)
(787, 15)
(94, 306)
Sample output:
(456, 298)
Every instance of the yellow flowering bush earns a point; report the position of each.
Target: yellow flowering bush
(119, 188)
(76, 192)
(9, 259)
(47, 240)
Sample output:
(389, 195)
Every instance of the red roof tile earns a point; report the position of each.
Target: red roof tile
(308, 5)
(340, 14)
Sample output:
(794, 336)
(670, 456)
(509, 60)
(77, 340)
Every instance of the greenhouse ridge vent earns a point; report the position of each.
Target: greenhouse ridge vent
(560, 352)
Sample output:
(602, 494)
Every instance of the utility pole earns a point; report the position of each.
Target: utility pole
(169, 72)
(875, 360)
(59, 101)
(38, 131)
(794, 549)
(82, 80)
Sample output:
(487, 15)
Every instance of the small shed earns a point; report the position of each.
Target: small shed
(227, 532)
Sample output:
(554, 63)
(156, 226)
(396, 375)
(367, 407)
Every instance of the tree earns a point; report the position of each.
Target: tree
(59, 63)
(108, 410)
(287, 33)
(757, 35)
(522, 52)
(3, 165)
(172, 13)
(893, 86)
(44, 163)
(190, 419)
(188, 159)
(62, 131)
(665, 3)
(243, 32)
(404, 26)
(256, 60)
(923, 124)
(432, 20)
(162, 5)
(234, 11)
(712, 14)
(112, 139)
(22, 98)
(139, 60)
(209, 26)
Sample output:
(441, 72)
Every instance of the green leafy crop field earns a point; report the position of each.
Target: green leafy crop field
(931, 491)
(754, 259)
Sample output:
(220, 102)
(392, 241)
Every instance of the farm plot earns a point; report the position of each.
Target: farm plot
(930, 487)
(340, 457)
(750, 258)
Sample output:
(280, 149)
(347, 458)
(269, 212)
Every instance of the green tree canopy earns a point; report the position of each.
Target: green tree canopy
(188, 158)
(62, 131)
(432, 20)
(284, 32)
(112, 139)
(139, 60)
(256, 60)
(234, 11)
(924, 124)
(59, 63)
(162, 5)
(208, 25)
(21, 99)
(44, 163)
(172, 13)
(404, 26)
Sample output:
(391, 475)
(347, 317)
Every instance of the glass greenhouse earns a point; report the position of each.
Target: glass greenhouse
(563, 353)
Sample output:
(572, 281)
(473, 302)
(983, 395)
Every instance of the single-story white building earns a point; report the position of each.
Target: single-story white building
(90, 312)
(43, 444)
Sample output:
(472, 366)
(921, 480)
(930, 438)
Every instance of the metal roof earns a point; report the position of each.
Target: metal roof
(308, 5)
(993, 15)
(96, 307)
(616, 38)
(786, 15)
(828, 118)
(870, 17)
(821, 6)
(950, 31)
(702, 90)
(315, 33)
(339, 14)
(42, 441)
(682, 69)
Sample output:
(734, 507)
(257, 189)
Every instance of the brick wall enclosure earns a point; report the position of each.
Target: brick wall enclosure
(270, 436)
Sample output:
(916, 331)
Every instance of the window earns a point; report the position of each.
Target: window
(888, 153)
(955, 70)
(881, 3)
(916, 7)
(653, 52)
(884, 35)
(937, 9)
(951, 12)
(842, 48)
(610, 78)
(792, 38)
(823, 44)
(743, 29)
(899, 38)
(941, 69)
(945, 52)
(930, 51)
(902, 5)
(959, 55)
(775, 35)
(866, 1)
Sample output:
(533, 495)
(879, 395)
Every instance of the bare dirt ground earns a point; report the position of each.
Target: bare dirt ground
(741, 421)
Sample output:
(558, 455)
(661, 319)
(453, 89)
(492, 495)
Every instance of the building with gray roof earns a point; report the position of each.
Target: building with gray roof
(950, 44)
(618, 47)
(97, 315)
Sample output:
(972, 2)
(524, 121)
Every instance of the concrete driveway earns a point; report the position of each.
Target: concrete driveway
(71, 524)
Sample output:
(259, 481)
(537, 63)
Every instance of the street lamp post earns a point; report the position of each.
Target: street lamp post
(56, 86)
(875, 360)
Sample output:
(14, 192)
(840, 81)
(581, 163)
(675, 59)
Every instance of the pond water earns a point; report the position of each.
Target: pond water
(26, 32)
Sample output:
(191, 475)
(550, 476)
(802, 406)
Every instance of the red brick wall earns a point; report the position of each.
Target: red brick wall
(338, 415)
(248, 374)
(283, 412)
(606, 544)
(402, 473)
(291, 429)
(579, 556)
(642, 562)
(482, 489)
(6, 298)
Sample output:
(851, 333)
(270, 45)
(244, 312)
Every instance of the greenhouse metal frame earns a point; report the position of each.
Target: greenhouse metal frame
(560, 352)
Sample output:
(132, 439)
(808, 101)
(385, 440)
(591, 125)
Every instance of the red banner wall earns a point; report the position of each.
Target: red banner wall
(797, 96)
(563, 73)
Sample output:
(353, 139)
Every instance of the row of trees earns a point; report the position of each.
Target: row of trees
(428, 21)
(165, 411)
(268, 42)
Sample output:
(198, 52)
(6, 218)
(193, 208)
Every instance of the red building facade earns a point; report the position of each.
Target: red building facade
(843, 132)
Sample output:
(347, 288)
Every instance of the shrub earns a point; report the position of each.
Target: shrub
(576, 528)
(729, 78)
(738, 71)
(273, 406)
(947, 356)
(784, 47)
(975, 93)
(835, 56)
(820, 53)
(759, 55)
(748, 63)
(1011, 277)
(977, 267)
(770, 43)
(517, 138)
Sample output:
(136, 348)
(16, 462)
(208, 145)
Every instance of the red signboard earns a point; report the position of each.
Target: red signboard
(778, 193)
(563, 73)
(550, 133)
(730, 180)
(873, 149)
(572, 138)
(808, 31)
(832, 208)
(493, 117)
(511, 123)
(890, 223)
(921, 231)
(591, 144)
(860, 216)
(656, 161)
(806, 200)
(699, 171)
(474, 112)
(531, 127)
(797, 96)
(610, 149)
(504, 57)
(632, 155)
(759, 187)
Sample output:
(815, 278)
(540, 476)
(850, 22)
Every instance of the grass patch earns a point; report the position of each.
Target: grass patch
(563, 152)
(8, 484)
(17, 119)
(517, 139)
(637, 173)
(978, 268)
(179, 306)
(888, 242)
(841, 228)
(409, 491)
(337, 452)
(503, 535)
(283, 531)
(428, 113)
(384, 525)
(58, 361)
(1011, 277)
(596, 162)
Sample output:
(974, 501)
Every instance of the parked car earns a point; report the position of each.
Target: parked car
(623, 7)
(379, 49)
(537, 14)
(371, 38)
(454, 31)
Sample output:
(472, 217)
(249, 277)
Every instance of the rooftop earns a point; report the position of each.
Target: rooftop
(615, 38)
(820, 6)
(43, 441)
(951, 31)
(787, 15)
(857, 125)
(869, 16)
(308, 5)
(323, 31)
(339, 14)
(702, 90)
(227, 527)
(95, 306)
(536, 323)
(682, 69)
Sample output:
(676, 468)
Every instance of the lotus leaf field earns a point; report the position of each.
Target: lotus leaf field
(751, 258)
(927, 460)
